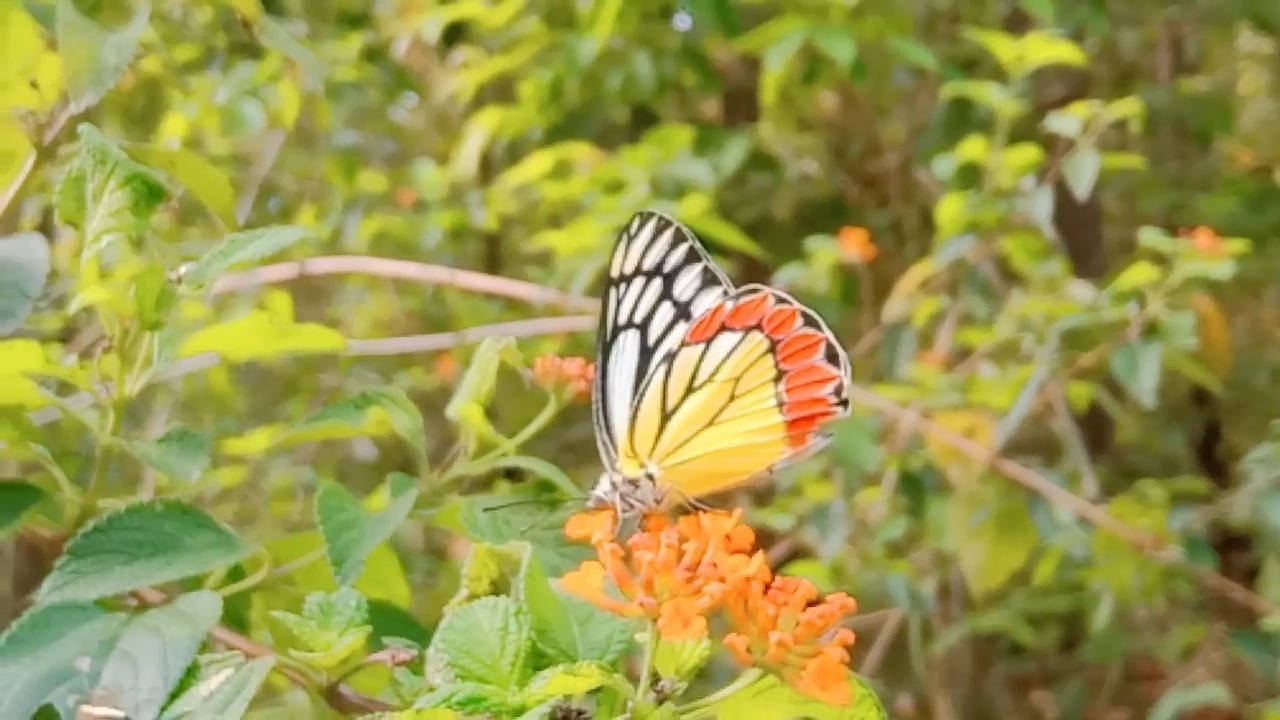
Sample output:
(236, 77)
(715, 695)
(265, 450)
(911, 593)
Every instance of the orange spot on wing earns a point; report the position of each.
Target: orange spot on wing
(781, 322)
(800, 349)
(804, 417)
(749, 313)
(707, 326)
(815, 380)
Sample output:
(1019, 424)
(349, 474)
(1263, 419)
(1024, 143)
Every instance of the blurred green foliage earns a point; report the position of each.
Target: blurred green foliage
(1025, 219)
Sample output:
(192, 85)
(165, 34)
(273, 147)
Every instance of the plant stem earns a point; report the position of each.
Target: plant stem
(251, 580)
(700, 707)
(646, 670)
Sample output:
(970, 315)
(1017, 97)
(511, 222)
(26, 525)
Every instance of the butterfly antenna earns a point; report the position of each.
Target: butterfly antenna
(515, 503)
(555, 505)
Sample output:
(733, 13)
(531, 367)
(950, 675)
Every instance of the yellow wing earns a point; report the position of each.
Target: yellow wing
(748, 389)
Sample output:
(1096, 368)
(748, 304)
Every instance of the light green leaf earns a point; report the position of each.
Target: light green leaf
(493, 570)
(332, 629)
(992, 533)
(1177, 702)
(1138, 367)
(568, 680)
(95, 58)
(143, 544)
(771, 697)
(351, 534)
(682, 660)
(274, 35)
(773, 67)
(152, 654)
(267, 333)
(1140, 274)
(474, 699)
(715, 230)
(914, 53)
(181, 453)
(220, 694)
(204, 180)
(153, 297)
(478, 383)
(836, 42)
(249, 246)
(1039, 49)
(16, 498)
(378, 412)
(1080, 171)
(24, 268)
(485, 641)
(51, 654)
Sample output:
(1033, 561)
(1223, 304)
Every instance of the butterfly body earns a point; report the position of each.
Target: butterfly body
(700, 386)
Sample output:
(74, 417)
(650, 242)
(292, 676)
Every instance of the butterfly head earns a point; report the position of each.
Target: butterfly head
(627, 495)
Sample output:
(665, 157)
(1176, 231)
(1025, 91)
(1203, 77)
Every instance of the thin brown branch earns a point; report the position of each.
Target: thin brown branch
(1065, 500)
(45, 146)
(532, 293)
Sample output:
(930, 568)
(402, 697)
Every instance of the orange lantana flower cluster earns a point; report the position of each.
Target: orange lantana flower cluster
(678, 573)
(1205, 240)
(856, 246)
(573, 375)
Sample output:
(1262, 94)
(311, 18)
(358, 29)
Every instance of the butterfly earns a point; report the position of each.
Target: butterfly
(701, 386)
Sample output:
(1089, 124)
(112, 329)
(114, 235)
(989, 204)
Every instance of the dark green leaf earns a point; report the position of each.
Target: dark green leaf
(143, 544)
(24, 267)
(51, 654)
(95, 58)
(350, 533)
(16, 498)
(498, 520)
(153, 652)
(567, 629)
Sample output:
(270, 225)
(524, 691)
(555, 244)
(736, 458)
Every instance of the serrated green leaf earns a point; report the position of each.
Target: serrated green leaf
(16, 498)
(485, 641)
(204, 180)
(142, 544)
(181, 453)
(332, 627)
(469, 698)
(24, 268)
(222, 695)
(1138, 367)
(351, 534)
(567, 629)
(771, 697)
(52, 653)
(248, 246)
(94, 58)
(377, 412)
(497, 520)
(567, 680)
(153, 652)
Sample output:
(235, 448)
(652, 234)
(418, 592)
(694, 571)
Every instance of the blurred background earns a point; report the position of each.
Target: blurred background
(958, 187)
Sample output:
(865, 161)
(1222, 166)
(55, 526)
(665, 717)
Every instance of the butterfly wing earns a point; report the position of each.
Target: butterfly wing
(749, 387)
(660, 278)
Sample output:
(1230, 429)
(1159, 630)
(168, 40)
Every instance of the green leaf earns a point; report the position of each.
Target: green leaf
(24, 268)
(52, 653)
(153, 298)
(94, 58)
(152, 654)
(494, 570)
(267, 333)
(1080, 171)
(351, 534)
(836, 43)
(16, 498)
(474, 699)
(204, 180)
(478, 383)
(542, 469)
(1138, 367)
(773, 67)
(248, 246)
(992, 533)
(219, 694)
(181, 453)
(1180, 701)
(771, 697)
(914, 53)
(274, 35)
(143, 544)
(682, 660)
(1140, 274)
(494, 519)
(377, 412)
(106, 194)
(567, 629)
(568, 680)
(485, 641)
(332, 628)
